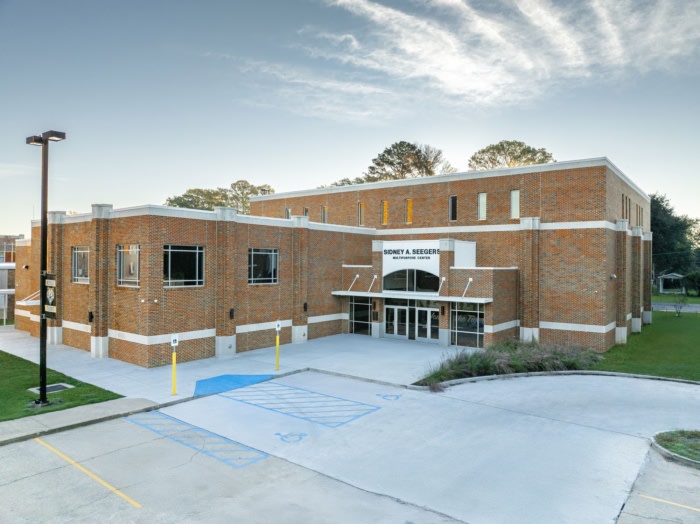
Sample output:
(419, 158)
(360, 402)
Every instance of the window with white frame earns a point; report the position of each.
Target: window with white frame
(183, 266)
(467, 325)
(80, 265)
(324, 214)
(408, 211)
(263, 266)
(481, 206)
(515, 203)
(128, 265)
(360, 214)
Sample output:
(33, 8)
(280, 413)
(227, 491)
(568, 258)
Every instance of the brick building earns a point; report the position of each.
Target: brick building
(557, 253)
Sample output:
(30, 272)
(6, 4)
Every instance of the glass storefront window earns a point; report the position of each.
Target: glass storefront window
(467, 325)
(412, 280)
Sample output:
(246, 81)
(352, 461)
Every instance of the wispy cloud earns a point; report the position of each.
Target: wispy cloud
(474, 53)
(10, 170)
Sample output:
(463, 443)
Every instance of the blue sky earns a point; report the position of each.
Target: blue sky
(160, 96)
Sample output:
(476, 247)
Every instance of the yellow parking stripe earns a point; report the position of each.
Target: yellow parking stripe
(88, 473)
(670, 503)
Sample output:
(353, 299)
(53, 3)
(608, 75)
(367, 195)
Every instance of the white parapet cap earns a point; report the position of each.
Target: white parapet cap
(465, 175)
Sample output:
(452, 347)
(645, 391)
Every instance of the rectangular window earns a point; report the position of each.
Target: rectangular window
(452, 208)
(481, 206)
(408, 211)
(80, 265)
(467, 325)
(128, 265)
(306, 211)
(287, 213)
(324, 214)
(183, 266)
(515, 203)
(262, 266)
(384, 213)
(360, 214)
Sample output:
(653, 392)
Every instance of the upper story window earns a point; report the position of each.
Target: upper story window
(384, 212)
(408, 211)
(481, 206)
(452, 208)
(287, 213)
(324, 214)
(80, 265)
(412, 280)
(306, 211)
(360, 214)
(183, 266)
(128, 265)
(515, 203)
(263, 266)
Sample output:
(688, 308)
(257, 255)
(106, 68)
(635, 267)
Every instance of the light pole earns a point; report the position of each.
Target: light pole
(43, 141)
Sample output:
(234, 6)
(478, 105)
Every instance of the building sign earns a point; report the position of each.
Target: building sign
(50, 289)
(411, 254)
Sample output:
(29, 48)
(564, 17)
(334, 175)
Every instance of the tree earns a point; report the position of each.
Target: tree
(403, 160)
(508, 153)
(673, 239)
(237, 195)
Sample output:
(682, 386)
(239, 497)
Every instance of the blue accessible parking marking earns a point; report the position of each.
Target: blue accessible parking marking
(301, 403)
(224, 450)
(210, 386)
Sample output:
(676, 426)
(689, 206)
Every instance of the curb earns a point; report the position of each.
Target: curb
(670, 455)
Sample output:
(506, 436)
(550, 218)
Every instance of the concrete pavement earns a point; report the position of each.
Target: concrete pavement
(527, 449)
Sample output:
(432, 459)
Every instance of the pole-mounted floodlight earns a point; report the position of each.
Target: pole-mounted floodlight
(43, 141)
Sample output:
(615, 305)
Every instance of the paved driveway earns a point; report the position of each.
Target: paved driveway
(532, 449)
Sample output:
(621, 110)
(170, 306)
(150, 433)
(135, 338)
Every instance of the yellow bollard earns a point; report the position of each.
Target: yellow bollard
(277, 352)
(174, 378)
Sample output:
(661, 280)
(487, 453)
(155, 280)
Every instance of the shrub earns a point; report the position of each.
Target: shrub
(510, 357)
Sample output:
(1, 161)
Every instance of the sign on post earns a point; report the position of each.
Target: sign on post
(51, 299)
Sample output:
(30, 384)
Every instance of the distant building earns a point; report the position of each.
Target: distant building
(559, 253)
(7, 247)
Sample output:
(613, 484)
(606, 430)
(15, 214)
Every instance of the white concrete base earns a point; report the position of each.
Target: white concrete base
(99, 347)
(54, 335)
(620, 335)
(300, 334)
(444, 337)
(636, 325)
(225, 346)
(530, 334)
(646, 317)
(377, 329)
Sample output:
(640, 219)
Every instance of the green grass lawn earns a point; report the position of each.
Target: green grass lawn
(18, 375)
(672, 299)
(669, 347)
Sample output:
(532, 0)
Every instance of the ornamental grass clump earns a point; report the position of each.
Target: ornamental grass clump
(511, 357)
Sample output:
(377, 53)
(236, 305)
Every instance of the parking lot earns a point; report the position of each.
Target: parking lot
(314, 446)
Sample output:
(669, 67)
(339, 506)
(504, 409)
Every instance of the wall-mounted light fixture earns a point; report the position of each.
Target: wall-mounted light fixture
(91, 316)
(25, 266)
(613, 276)
(306, 307)
(442, 310)
(231, 313)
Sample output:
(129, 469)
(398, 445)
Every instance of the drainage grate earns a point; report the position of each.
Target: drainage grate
(53, 388)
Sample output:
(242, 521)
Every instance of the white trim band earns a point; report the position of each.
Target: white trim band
(159, 339)
(263, 326)
(584, 328)
(76, 326)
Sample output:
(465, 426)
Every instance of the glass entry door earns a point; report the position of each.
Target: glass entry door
(396, 321)
(427, 324)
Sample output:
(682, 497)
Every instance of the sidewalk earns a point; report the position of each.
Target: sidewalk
(380, 360)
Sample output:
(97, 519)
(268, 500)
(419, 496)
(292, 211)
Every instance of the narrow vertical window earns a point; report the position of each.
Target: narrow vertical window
(306, 211)
(80, 265)
(408, 211)
(324, 214)
(287, 213)
(452, 208)
(360, 214)
(481, 206)
(128, 265)
(384, 213)
(515, 203)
